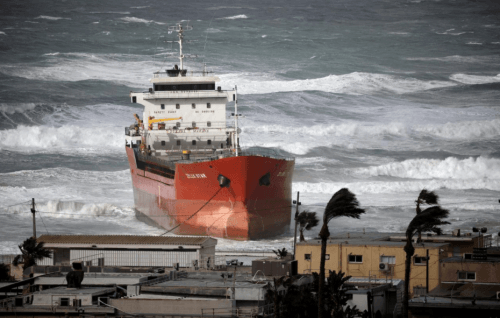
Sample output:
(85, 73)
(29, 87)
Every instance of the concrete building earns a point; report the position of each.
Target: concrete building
(375, 295)
(59, 302)
(381, 255)
(130, 250)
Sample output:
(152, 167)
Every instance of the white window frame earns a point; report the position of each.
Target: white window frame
(466, 275)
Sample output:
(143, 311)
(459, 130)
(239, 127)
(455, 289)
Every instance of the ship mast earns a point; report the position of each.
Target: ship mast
(236, 118)
(181, 37)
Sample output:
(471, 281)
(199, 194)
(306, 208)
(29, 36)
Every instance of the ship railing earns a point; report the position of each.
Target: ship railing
(188, 73)
(184, 94)
(204, 155)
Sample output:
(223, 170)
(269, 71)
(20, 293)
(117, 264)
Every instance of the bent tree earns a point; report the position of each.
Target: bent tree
(427, 220)
(342, 203)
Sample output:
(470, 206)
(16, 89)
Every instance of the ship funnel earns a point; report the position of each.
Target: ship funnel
(223, 181)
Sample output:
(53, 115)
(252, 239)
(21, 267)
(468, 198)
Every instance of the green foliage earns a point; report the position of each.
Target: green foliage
(31, 252)
(342, 203)
(281, 253)
(306, 220)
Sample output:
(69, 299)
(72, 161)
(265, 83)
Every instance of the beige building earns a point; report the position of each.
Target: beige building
(381, 255)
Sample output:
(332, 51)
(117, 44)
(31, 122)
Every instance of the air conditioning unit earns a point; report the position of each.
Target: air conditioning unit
(384, 266)
(498, 294)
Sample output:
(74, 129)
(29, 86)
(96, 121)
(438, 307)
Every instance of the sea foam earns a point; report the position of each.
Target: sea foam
(475, 79)
(451, 168)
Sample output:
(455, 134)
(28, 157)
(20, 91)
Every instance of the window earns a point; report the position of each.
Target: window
(307, 257)
(194, 124)
(163, 142)
(327, 256)
(193, 105)
(193, 142)
(209, 142)
(177, 124)
(388, 259)
(420, 260)
(177, 106)
(355, 258)
(466, 275)
(178, 142)
(209, 106)
(64, 302)
(209, 124)
(162, 106)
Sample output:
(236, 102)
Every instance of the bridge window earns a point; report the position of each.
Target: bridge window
(194, 124)
(209, 124)
(178, 142)
(177, 106)
(177, 124)
(162, 106)
(209, 106)
(193, 142)
(193, 106)
(209, 142)
(163, 142)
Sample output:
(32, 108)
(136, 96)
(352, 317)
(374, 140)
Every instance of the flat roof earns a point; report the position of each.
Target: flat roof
(371, 239)
(95, 291)
(124, 239)
(199, 283)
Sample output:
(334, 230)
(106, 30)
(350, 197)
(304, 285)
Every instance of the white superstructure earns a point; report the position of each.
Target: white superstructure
(184, 111)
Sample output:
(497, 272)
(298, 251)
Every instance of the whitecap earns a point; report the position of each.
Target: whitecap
(474, 43)
(475, 79)
(356, 83)
(450, 168)
(264, 36)
(2, 33)
(16, 108)
(46, 17)
(139, 20)
(240, 16)
(52, 54)
(111, 12)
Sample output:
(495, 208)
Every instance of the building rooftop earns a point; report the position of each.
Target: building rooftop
(371, 239)
(465, 290)
(124, 239)
(460, 259)
(94, 291)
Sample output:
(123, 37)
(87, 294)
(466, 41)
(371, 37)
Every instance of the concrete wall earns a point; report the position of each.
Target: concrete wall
(339, 256)
(55, 300)
(171, 306)
(486, 272)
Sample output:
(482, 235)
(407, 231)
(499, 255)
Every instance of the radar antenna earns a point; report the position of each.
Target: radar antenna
(180, 33)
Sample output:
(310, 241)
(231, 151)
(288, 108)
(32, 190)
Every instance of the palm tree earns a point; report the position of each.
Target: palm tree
(281, 254)
(337, 297)
(342, 203)
(425, 197)
(31, 252)
(307, 220)
(428, 220)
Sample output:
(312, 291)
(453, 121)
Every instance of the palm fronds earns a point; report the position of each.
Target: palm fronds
(427, 221)
(342, 203)
(307, 220)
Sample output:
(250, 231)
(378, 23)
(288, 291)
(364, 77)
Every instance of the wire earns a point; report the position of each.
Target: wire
(193, 213)
(42, 221)
(21, 203)
(206, 37)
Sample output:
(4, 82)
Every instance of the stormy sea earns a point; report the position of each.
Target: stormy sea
(385, 98)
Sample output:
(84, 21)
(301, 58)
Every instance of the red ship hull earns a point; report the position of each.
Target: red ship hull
(193, 202)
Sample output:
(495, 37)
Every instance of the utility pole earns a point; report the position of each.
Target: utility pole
(297, 203)
(33, 212)
(427, 273)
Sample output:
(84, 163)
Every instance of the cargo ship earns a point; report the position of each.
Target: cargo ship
(189, 173)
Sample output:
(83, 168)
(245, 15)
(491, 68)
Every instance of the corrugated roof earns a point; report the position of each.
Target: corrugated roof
(123, 239)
